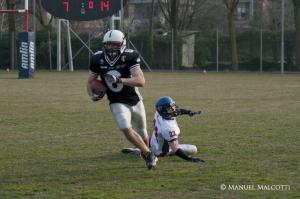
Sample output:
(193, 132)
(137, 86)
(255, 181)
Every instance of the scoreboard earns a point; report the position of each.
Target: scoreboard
(82, 10)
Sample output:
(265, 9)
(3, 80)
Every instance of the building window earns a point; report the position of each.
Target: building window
(243, 11)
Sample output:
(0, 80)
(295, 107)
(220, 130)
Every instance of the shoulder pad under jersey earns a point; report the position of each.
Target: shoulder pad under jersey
(98, 52)
(131, 54)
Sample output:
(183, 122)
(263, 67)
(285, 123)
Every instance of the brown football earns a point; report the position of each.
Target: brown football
(98, 87)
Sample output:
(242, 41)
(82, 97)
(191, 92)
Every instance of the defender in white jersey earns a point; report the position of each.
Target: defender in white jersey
(119, 69)
(166, 131)
(164, 140)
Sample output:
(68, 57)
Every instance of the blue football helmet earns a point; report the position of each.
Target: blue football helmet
(166, 107)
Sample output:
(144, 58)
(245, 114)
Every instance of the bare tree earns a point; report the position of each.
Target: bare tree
(273, 23)
(151, 47)
(42, 15)
(170, 11)
(179, 14)
(231, 6)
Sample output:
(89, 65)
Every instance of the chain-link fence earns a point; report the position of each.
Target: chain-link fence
(257, 51)
(206, 47)
(46, 50)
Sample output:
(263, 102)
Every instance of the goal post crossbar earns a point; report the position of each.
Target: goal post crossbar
(25, 11)
(12, 11)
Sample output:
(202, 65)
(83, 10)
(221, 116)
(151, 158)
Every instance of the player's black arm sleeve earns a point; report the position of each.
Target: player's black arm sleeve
(181, 111)
(179, 152)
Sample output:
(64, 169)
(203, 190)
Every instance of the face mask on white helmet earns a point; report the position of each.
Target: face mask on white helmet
(114, 43)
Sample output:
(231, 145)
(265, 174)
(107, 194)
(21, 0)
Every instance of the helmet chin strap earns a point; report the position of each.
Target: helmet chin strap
(112, 54)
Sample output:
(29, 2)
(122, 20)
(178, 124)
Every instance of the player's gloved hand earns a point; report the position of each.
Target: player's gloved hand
(112, 78)
(196, 160)
(192, 113)
(95, 97)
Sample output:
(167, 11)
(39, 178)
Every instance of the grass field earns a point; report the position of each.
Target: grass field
(56, 143)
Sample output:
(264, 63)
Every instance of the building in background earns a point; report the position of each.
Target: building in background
(137, 15)
(245, 10)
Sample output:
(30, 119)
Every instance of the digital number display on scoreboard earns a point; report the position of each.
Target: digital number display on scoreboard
(81, 10)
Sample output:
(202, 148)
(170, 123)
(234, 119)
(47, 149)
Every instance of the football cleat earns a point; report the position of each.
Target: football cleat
(131, 151)
(150, 160)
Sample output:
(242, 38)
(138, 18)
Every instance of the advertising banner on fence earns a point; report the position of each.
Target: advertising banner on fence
(26, 51)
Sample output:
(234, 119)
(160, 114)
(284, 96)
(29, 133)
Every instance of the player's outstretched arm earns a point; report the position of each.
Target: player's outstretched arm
(181, 111)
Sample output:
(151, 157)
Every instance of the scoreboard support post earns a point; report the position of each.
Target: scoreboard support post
(58, 44)
(69, 44)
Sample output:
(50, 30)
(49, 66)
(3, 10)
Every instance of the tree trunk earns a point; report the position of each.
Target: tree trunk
(232, 32)
(151, 44)
(297, 24)
(174, 21)
(12, 30)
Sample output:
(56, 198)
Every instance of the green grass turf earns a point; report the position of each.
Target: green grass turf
(56, 143)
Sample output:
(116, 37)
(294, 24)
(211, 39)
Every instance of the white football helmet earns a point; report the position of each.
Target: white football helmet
(115, 37)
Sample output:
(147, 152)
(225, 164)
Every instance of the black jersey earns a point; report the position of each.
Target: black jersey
(119, 67)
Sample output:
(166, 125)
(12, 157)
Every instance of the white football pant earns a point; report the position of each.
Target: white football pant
(189, 149)
(127, 116)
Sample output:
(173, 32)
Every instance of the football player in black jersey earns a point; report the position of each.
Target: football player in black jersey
(119, 69)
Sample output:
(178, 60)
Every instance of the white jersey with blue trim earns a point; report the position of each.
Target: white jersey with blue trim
(164, 131)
